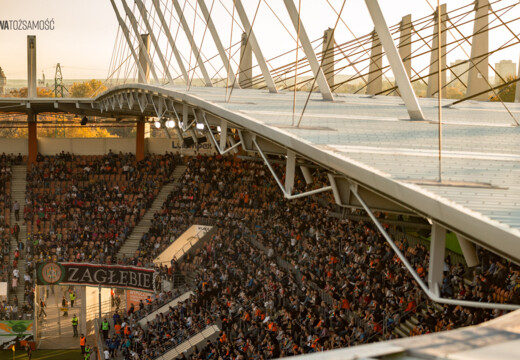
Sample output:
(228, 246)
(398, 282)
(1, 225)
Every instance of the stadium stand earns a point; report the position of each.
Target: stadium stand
(278, 278)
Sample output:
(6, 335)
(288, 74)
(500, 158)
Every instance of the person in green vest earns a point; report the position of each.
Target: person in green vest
(88, 351)
(105, 327)
(75, 322)
(72, 296)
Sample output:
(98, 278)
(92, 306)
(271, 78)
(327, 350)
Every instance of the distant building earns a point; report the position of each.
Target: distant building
(504, 68)
(459, 68)
(3, 81)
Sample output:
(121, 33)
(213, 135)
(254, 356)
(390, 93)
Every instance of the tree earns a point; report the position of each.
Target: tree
(87, 89)
(506, 93)
(22, 92)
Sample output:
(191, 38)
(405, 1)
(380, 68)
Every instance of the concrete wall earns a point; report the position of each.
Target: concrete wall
(14, 146)
(92, 146)
(100, 146)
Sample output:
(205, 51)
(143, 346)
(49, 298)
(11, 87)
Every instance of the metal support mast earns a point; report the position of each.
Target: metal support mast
(133, 23)
(167, 31)
(144, 16)
(433, 80)
(194, 48)
(126, 34)
(216, 40)
(375, 72)
(256, 48)
(309, 51)
(478, 72)
(58, 82)
(402, 80)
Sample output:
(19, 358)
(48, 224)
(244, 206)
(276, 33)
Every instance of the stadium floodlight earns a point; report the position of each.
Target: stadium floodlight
(219, 129)
(200, 126)
(170, 124)
(157, 124)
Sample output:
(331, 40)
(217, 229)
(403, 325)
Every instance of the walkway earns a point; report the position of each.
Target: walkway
(132, 242)
(18, 183)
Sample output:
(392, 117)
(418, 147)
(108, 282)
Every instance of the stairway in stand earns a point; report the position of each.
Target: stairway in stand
(18, 183)
(132, 242)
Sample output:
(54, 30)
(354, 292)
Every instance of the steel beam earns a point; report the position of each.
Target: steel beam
(168, 33)
(218, 43)
(433, 77)
(414, 274)
(245, 68)
(306, 174)
(256, 48)
(126, 34)
(194, 48)
(402, 80)
(290, 168)
(468, 250)
(144, 16)
(375, 72)
(309, 51)
(142, 45)
(286, 194)
(437, 253)
(478, 72)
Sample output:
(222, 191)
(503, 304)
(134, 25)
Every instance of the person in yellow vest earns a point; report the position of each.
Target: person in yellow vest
(105, 327)
(82, 343)
(75, 322)
(72, 297)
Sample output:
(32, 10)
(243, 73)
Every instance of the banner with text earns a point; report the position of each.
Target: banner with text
(113, 276)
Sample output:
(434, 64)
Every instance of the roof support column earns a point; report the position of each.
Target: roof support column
(309, 51)
(468, 250)
(216, 40)
(437, 251)
(126, 33)
(256, 48)
(328, 56)
(478, 72)
(194, 48)
(142, 54)
(433, 78)
(245, 68)
(32, 139)
(405, 44)
(403, 82)
(142, 133)
(144, 16)
(375, 72)
(306, 174)
(164, 25)
(290, 167)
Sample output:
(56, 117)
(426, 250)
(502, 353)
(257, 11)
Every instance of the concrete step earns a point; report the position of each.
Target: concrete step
(132, 242)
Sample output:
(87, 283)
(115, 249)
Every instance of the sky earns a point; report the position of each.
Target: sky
(84, 36)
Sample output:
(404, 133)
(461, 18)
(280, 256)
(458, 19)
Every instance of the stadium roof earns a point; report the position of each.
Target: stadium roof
(372, 141)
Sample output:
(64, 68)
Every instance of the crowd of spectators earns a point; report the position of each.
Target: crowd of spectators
(82, 208)
(279, 277)
(342, 284)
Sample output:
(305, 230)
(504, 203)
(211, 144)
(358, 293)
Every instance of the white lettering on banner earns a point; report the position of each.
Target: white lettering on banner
(133, 279)
(87, 278)
(73, 274)
(103, 278)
